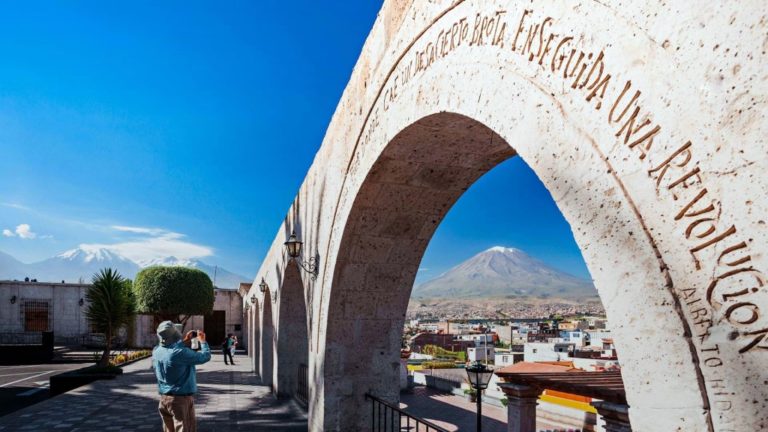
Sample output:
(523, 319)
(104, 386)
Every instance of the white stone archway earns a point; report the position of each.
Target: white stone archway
(267, 342)
(291, 333)
(254, 334)
(646, 122)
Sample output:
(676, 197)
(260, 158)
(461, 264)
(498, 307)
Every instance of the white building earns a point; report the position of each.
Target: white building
(548, 351)
(577, 337)
(481, 339)
(507, 357)
(481, 354)
(595, 337)
(28, 307)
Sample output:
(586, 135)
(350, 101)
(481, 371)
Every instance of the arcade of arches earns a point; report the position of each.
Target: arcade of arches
(647, 124)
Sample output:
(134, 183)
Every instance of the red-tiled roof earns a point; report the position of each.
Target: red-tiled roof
(539, 367)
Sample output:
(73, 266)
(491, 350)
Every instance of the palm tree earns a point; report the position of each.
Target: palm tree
(110, 307)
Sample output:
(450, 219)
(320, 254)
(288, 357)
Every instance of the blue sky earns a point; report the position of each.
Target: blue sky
(187, 128)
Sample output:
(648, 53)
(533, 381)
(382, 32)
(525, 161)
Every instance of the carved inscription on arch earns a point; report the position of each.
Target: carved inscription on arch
(675, 176)
(478, 30)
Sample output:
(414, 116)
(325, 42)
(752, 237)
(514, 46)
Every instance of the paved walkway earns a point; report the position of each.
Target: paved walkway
(456, 413)
(230, 399)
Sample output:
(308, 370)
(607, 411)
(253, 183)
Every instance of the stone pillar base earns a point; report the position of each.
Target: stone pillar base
(521, 407)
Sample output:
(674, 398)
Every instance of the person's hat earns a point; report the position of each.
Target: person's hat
(168, 333)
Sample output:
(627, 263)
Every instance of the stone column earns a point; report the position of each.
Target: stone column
(615, 415)
(403, 373)
(521, 406)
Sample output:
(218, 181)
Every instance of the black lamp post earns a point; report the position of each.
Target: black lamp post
(479, 375)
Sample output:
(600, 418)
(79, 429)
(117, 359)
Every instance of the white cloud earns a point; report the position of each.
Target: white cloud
(153, 243)
(423, 269)
(140, 230)
(16, 206)
(25, 231)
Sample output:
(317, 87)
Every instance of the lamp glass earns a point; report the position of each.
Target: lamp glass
(479, 375)
(263, 285)
(253, 299)
(293, 245)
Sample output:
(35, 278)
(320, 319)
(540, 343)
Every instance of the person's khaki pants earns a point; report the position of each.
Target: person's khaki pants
(178, 413)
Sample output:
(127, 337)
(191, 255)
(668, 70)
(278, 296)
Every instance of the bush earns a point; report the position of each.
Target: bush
(439, 352)
(126, 357)
(438, 365)
(173, 293)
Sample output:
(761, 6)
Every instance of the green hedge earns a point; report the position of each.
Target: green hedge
(438, 365)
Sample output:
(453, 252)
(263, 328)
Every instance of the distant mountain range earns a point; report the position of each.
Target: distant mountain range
(80, 264)
(501, 272)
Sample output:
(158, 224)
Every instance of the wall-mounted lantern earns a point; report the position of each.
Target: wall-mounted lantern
(13, 300)
(263, 287)
(254, 299)
(293, 247)
(81, 302)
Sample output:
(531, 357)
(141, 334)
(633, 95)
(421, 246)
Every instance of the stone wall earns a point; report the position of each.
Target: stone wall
(226, 300)
(69, 323)
(66, 316)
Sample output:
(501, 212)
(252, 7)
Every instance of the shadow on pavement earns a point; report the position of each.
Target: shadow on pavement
(228, 400)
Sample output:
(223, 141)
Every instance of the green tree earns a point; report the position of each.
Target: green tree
(110, 306)
(173, 293)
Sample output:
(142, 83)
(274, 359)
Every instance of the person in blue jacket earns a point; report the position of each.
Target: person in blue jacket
(174, 365)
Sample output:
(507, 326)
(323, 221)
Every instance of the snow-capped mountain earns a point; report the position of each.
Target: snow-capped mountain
(505, 272)
(220, 276)
(82, 263)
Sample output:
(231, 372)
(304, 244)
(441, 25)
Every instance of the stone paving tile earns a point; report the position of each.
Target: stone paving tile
(230, 398)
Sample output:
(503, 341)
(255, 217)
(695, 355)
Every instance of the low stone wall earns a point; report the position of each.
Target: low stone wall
(67, 381)
(28, 353)
(438, 383)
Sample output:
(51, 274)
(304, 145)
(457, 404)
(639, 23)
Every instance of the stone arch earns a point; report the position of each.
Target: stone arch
(647, 128)
(418, 176)
(267, 343)
(291, 333)
(254, 337)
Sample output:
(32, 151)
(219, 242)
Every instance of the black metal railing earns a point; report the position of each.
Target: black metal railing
(386, 417)
(302, 392)
(26, 338)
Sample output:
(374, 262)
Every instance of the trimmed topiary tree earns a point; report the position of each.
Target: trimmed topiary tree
(173, 293)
